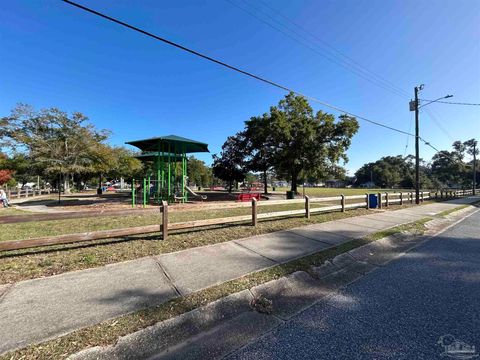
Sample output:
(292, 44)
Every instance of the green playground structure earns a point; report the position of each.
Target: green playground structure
(166, 159)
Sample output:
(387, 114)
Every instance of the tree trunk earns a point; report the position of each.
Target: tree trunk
(265, 185)
(230, 185)
(294, 183)
(66, 185)
(99, 190)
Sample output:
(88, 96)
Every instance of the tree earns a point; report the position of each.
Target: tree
(304, 143)
(230, 165)
(388, 172)
(125, 165)
(471, 147)
(259, 146)
(198, 173)
(63, 144)
(5, 176)
(448, 166)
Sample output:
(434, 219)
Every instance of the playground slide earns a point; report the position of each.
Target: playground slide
(193, 193)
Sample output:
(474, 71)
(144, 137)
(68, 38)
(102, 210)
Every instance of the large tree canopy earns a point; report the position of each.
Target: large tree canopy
(291, 139)
(259, 148)
(56, 143)
(230, 165)
(304, 143)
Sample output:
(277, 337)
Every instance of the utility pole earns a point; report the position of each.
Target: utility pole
(417, 148)
(474, 167)
(415, 106)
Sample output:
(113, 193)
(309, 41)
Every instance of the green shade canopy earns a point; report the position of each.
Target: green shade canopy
(154, 156)
(177, 144)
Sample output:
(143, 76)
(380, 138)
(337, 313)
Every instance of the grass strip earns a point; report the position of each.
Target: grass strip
(46, 261)
(455, 209)
(109, 331)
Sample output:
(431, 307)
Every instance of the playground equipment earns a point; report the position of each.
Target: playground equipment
(166, 158)
(193, 193)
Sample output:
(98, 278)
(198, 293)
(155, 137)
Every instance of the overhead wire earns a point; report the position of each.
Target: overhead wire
(408, 137)
(244, 72)
(350, 60)
(432, 116)
(298, 38)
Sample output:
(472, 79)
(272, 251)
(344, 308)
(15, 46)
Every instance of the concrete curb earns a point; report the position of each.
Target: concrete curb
(221, 327)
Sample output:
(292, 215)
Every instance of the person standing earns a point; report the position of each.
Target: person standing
(3, 198)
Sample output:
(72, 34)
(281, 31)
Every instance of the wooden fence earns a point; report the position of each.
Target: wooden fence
(26, 193)
(335, 203)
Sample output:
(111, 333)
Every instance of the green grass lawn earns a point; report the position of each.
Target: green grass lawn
(319, 192)
(13, 211)
(28, 230)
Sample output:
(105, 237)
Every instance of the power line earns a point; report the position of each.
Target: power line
(431, 115)
(408, 137)
(306, 43)
(351, 60)
(206, 57)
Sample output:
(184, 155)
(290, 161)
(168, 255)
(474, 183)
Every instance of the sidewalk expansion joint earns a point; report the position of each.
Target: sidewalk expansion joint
(7, 289)
(255, 252)
(310, 238)
(167, 276)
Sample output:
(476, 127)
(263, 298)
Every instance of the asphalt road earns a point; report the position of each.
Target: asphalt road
(410, 309)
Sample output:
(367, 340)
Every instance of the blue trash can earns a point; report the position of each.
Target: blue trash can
(373, 201)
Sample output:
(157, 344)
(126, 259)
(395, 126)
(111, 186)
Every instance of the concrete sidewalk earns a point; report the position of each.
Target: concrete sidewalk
(36, 310)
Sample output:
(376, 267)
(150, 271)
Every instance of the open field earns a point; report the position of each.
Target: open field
(320, 191)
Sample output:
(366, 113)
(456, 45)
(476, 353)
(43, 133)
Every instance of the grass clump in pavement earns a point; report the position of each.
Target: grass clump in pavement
(416, 228)
(450, 211)
(108, 332)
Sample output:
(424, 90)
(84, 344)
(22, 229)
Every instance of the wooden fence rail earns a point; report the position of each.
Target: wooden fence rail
(27, 193)
(384, 199)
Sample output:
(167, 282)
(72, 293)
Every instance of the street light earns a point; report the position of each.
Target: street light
(441, 98)
(414, 107)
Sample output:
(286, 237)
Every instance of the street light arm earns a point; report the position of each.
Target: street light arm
(443, 97)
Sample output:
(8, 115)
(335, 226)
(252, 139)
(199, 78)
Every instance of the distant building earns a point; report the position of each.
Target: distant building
(334, 183)
(368, 185)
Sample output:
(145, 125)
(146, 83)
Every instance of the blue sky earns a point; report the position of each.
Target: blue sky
(52, 54)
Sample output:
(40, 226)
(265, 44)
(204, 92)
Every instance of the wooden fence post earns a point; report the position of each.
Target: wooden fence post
(386, 199)
(342, 202)
(379, 200)
(401, 198)
(164, 226)
(421, 196)
(254, 212)
(367, 200)
(307, 207)
(26, 192)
